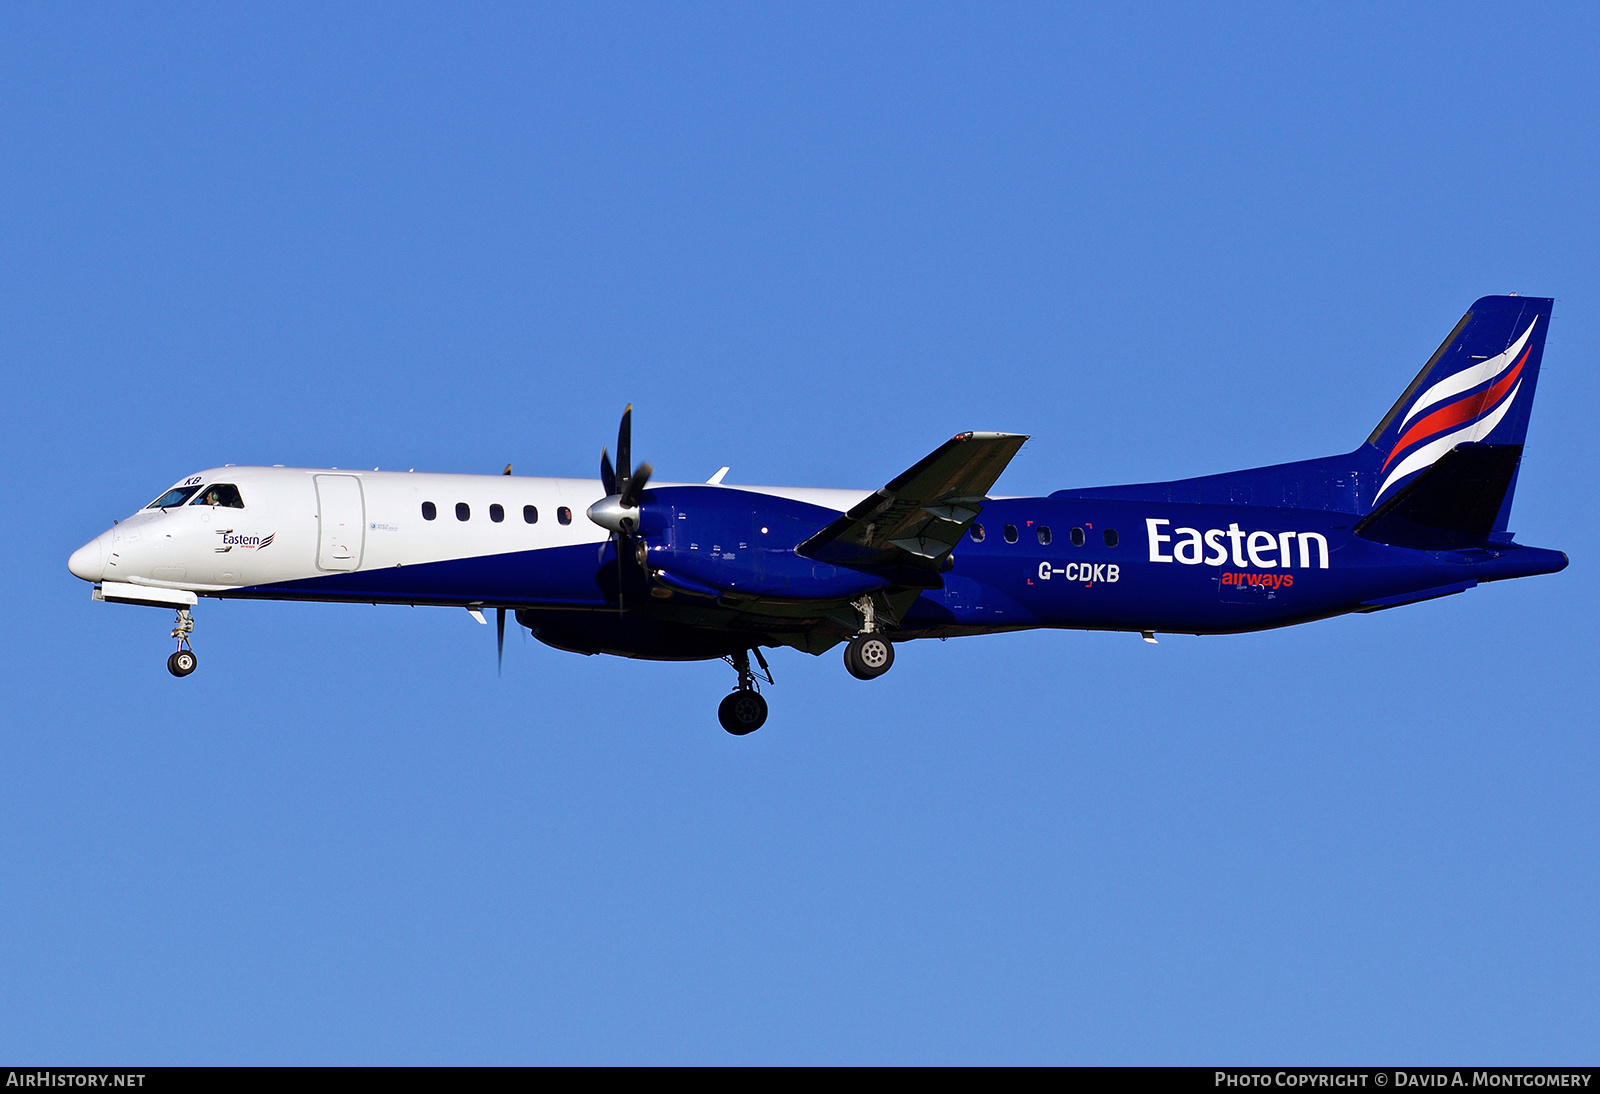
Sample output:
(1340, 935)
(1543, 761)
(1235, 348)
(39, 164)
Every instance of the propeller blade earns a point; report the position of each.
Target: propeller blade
(500, 640)
(636, 485)
(608, 477)
(625, 450)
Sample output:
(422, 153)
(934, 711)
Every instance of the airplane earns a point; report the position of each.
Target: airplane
(699, 571)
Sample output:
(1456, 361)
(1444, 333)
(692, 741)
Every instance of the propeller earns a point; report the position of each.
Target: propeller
(624, 483)
(618, 511)
(500, 626)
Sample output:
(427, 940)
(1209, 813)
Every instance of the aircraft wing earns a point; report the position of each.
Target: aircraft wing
(922, 514)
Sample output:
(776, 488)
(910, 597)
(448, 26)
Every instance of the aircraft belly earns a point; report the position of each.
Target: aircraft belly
(632, 634)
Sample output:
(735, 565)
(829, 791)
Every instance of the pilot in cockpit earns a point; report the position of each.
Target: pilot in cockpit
(221, 494)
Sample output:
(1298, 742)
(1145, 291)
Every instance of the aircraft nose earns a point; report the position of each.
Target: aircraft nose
(89, 561)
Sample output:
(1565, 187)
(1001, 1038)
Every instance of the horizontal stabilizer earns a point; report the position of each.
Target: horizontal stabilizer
(1416, 596)
(918, 518)
(1452, 504)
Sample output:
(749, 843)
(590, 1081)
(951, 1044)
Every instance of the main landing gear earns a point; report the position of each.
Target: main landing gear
(744, 711)
(183, 662)
(869, 654)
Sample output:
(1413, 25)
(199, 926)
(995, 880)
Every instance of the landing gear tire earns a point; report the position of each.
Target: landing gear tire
(742, 712)
(182, 663)
(868, 656)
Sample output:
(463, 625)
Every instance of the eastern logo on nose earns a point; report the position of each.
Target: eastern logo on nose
(231, 539)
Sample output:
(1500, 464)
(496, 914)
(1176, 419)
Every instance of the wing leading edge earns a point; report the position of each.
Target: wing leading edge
(922, 514)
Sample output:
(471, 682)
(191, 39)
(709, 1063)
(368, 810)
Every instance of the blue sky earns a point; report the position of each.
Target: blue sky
(809, 242)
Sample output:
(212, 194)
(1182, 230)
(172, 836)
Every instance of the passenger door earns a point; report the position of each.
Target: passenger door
(341, 522)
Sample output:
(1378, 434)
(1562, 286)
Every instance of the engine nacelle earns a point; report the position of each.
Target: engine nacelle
(719, 540)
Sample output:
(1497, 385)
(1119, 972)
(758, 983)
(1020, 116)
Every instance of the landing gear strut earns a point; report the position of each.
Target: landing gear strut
(869, 655)
(183, 662)
(744, 711)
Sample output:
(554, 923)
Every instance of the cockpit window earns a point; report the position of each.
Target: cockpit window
(224, 494)
(176, 496)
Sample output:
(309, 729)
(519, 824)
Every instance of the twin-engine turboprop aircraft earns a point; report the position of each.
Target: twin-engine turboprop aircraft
(676, 571)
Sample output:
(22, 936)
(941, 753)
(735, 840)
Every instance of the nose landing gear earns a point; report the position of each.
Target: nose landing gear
(183, 662)
(744, 711)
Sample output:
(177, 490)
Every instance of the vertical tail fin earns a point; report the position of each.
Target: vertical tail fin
(1477, 389)
(1472, 398)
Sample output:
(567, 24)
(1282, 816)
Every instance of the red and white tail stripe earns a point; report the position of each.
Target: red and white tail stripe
(1482, 411)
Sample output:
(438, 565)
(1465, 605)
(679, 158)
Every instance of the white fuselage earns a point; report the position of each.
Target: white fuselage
(299, 523)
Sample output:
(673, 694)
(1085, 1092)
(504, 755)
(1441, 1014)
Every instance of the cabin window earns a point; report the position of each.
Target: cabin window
(463, 511)
(1110, 536)
(976, 533)
(564, 515)
(176, 496)
(497, 513)
(1077, 537)
(530, 514)
(223, 494)
(429, 510)
(1010, 532)
(1044, 535)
